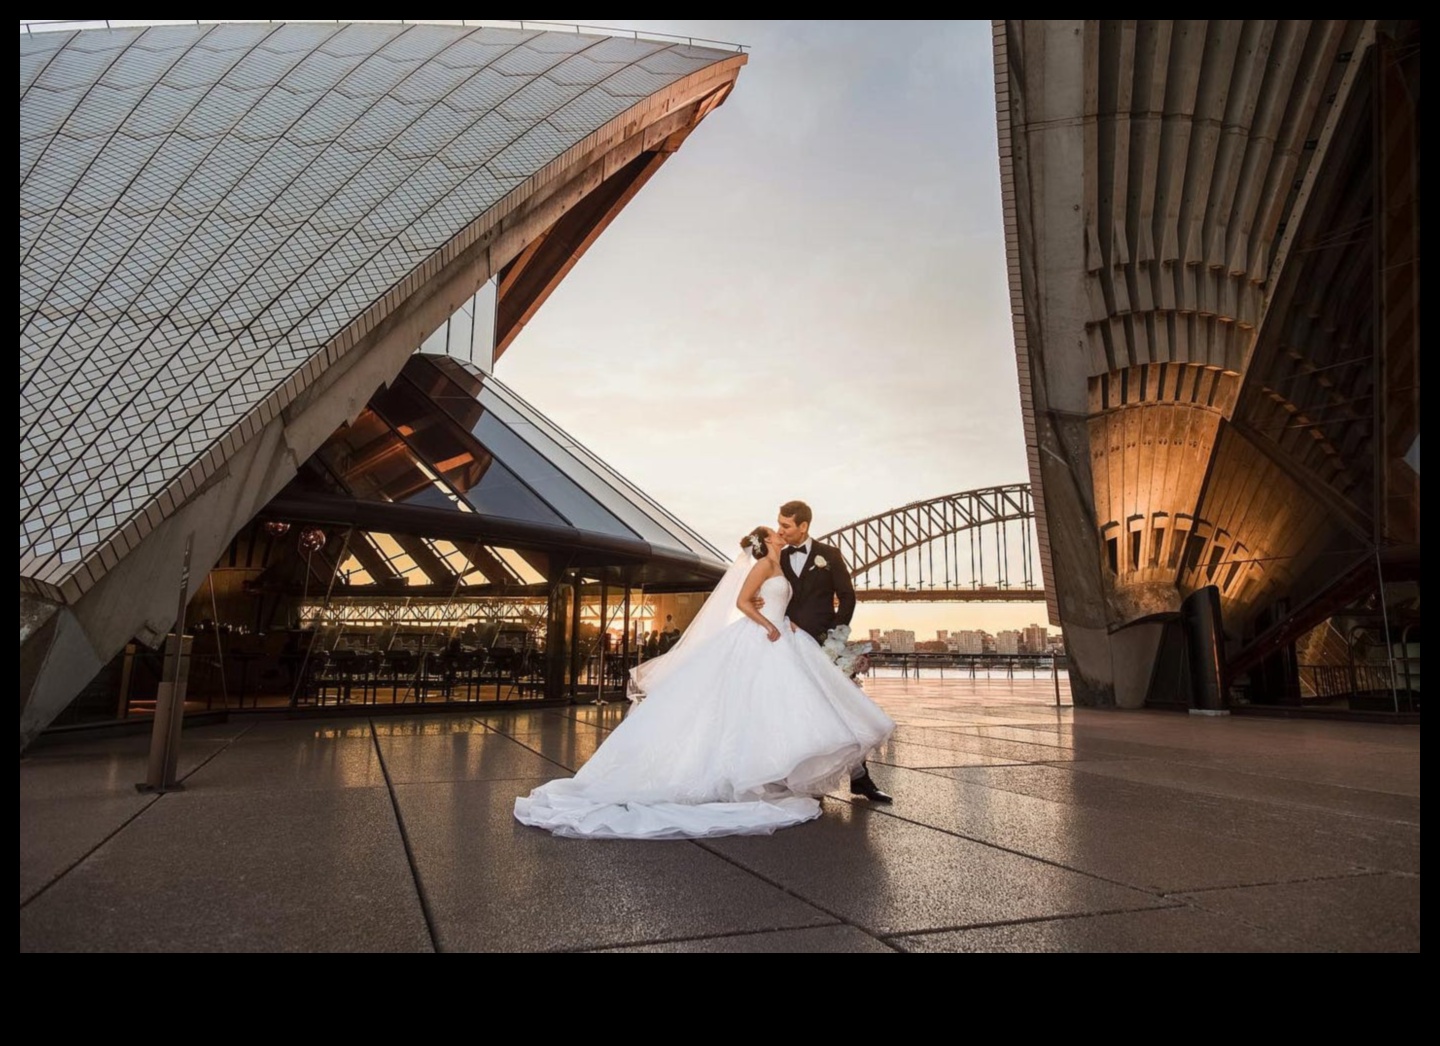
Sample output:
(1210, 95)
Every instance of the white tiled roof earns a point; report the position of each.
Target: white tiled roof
(209, 214)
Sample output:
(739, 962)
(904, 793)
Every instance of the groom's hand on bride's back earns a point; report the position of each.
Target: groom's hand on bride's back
(757, 602)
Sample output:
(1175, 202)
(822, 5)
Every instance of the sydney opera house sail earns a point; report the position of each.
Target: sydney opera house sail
(1213, 242)
(232, 235)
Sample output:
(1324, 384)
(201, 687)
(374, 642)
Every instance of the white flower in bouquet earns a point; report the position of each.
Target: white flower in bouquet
(851, 658)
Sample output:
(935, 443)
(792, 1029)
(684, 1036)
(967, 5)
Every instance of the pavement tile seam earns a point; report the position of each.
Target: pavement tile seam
(899, 938)
(427, 910)
(82, 858)
(789, 891)
(566, 771)
(1202, 760)
(534, 751)
(541, 728)
(223, 746)
(514, 738)
(884, 811)
(697, 938)
(1359, 873)
(1081, 766)
(1195, 899)
(983, 732)
(965, 766)
(1198, 900)
(1292, 942)
(155, 797)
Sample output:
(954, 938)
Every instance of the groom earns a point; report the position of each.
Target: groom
(822, 596)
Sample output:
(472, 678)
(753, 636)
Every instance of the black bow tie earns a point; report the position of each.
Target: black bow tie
(797, 548)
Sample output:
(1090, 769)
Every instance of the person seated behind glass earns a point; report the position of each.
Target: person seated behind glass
(652, 644)
(670, 634)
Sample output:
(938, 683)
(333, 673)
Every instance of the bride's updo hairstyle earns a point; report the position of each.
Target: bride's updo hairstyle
(754, 542)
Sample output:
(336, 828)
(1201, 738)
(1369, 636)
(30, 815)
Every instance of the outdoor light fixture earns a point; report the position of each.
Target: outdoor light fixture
(312, 539)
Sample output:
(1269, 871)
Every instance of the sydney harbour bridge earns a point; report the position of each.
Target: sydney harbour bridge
(973, 546)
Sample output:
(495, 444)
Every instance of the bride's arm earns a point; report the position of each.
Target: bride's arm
(744, 602)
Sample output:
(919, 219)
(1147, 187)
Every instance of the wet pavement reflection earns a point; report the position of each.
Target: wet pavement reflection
(1019, 824)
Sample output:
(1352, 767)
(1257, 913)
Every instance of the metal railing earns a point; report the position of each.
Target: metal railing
(1375, 680)
(969, 665)
(972, 666)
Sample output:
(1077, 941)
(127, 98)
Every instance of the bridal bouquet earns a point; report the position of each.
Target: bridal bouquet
(851, 658)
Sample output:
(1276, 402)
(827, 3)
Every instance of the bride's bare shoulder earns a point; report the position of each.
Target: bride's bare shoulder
(761, 572)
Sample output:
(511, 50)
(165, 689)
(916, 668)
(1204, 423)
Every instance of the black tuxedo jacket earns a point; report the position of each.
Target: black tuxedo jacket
(822, 595)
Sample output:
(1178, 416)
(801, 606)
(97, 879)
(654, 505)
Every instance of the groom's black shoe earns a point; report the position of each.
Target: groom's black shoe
(862, 785)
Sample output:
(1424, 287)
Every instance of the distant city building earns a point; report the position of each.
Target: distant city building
(1007, 641)
(967, 642)
(1033, 638)
(942, 634)
(900, 641)
(877, 636)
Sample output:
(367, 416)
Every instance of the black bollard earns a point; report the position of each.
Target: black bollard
(1204, 649)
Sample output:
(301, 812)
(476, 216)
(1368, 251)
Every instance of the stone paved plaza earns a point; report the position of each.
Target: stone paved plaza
(1018, 825)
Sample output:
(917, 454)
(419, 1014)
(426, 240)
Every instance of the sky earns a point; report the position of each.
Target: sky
(808, 300)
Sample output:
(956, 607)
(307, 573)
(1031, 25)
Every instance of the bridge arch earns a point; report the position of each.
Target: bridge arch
(975, 545)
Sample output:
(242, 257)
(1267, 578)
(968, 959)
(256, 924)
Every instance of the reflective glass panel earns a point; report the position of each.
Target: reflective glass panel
(468, 572)
(560, 490)
(467, 466)
(577, 483)
(374, 463)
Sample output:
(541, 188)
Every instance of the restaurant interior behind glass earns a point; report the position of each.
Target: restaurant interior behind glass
(449, 548)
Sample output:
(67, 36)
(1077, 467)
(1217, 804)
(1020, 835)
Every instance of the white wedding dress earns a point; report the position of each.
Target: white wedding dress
(738, 739)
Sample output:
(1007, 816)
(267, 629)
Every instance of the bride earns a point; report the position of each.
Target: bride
(744, 723)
